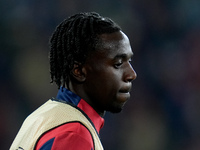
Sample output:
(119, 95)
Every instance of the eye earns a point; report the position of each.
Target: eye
(118, 65)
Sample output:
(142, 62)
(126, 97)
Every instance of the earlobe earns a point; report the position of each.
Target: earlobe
(78, 72)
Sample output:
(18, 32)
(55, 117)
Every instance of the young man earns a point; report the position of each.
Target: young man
(90, 62)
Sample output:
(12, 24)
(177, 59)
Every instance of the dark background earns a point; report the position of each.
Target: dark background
(163, 112)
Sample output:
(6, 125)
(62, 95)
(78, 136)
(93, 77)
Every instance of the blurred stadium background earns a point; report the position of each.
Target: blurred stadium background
(163, 112)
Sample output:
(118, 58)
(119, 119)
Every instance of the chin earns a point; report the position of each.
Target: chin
(117, 108)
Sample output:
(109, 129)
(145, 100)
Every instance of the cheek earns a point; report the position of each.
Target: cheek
(108, 79)
(108, 84)
(104, 79)
(104, 85)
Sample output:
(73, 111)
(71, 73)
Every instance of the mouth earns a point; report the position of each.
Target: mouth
(124, 93)
(125, 90)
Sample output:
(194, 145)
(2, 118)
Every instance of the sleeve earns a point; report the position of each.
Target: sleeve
(79, 139)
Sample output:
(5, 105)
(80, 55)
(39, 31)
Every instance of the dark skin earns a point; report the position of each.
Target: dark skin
(104, 80)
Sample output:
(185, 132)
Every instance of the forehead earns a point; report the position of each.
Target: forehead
(114, 44)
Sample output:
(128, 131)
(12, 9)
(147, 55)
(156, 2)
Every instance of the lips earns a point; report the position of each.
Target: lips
(125, 89)
(124, 94)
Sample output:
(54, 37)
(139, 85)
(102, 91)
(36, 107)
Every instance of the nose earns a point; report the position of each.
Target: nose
(130, 74)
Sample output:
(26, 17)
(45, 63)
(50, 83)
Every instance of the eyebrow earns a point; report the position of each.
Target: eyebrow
(123, 56)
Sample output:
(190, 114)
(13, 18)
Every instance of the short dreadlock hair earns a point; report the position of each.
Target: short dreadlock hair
(72, 41)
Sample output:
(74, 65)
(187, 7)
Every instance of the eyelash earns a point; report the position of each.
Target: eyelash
(118, 65)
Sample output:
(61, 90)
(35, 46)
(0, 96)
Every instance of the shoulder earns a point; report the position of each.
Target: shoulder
(71, 135)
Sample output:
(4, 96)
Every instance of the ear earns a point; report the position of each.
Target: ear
(78, 72)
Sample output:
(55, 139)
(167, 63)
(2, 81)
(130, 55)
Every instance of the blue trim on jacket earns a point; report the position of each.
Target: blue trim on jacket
(47, 145)
(68, 96)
